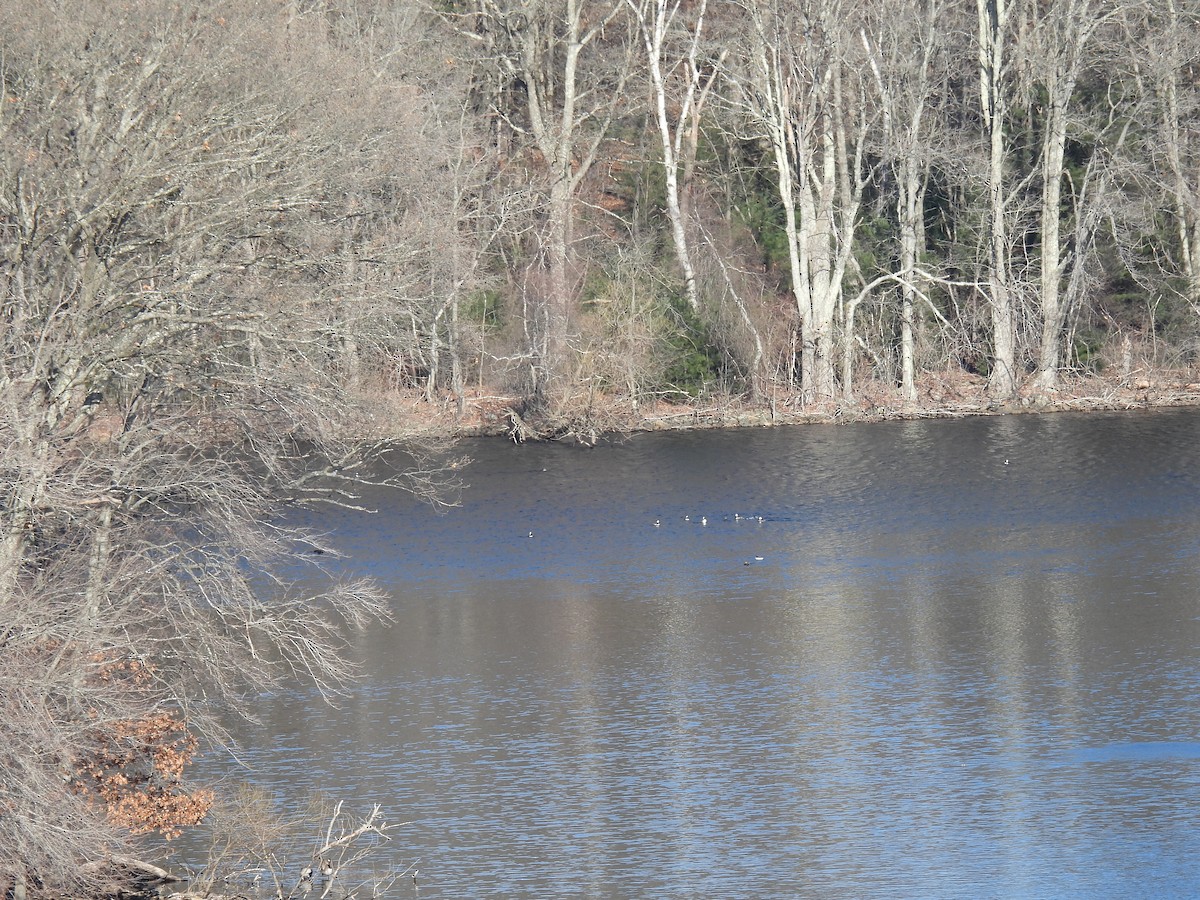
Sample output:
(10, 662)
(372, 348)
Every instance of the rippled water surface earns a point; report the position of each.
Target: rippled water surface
(954, 659)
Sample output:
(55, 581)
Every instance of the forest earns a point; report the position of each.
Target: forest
(248, 245)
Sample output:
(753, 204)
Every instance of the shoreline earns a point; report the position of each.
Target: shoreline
(404, 415)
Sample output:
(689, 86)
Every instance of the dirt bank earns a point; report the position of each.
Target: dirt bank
(403, 414)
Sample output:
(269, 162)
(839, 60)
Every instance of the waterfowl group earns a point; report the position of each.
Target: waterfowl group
(703, 520)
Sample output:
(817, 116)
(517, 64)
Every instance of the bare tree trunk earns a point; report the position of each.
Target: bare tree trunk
(655, 29)
(775, 110)
(435, 356)
(556, 305)
(351, 357)
(456, 368)
(903, 62)
(910, 200)
(796, 98)
(1059, 86)
(97, 574)
(1064, 37)
(993, 21)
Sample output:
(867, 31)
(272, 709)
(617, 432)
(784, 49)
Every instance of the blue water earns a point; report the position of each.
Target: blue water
(954, 659)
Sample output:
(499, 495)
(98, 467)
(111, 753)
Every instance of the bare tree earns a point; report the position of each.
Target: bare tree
(1163, 41)
(170, 380)
(422, 230)
(658, 20)
(1056, 54)
(558, 70)
(800, 94)
(907, 57)
(993, 69)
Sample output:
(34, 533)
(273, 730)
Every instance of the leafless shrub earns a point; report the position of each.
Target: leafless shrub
(255, 848)
(183, 300)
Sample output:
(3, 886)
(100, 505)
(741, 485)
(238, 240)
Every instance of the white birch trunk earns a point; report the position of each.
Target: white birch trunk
(909, 202)
(993, 19)
(654, 32)
(1053, 309)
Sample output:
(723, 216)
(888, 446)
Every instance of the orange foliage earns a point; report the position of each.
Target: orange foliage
(128, 670)
(134, 769)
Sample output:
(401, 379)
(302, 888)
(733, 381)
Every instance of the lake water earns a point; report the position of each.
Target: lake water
(953, 659)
